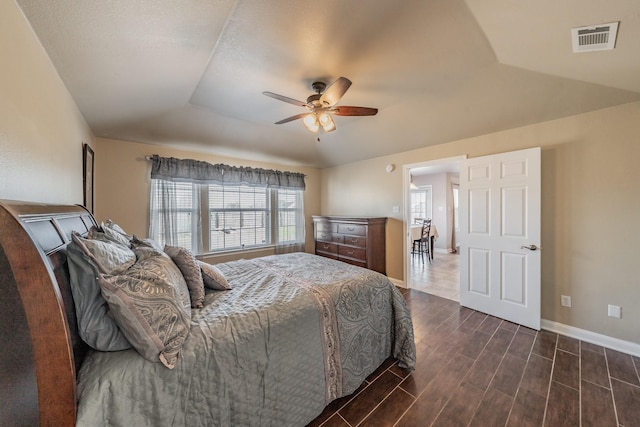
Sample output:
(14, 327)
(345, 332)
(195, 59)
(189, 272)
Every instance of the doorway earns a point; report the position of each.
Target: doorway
(439, 180)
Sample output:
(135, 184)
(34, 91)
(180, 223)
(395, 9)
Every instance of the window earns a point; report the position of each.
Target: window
(182, 199)
(239, 217)
(420, 203)
(290, 226)
(233, 216)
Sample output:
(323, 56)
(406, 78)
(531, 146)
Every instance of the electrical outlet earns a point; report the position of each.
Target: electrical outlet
(615, 311)
(565, 300)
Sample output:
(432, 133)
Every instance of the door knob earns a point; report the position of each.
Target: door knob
(531, 247)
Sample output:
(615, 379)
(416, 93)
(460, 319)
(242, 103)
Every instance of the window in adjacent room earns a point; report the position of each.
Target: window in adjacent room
(420, 203)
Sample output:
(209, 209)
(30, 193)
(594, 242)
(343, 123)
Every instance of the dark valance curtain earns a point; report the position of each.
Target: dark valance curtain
(187, 170)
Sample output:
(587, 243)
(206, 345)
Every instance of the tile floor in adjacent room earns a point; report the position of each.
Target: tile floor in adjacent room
(478, 370)
(439, 277)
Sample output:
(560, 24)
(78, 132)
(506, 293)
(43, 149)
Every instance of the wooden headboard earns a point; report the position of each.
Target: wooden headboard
(40, 349)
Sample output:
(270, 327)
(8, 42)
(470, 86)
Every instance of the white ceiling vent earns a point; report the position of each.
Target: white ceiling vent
(597, 37)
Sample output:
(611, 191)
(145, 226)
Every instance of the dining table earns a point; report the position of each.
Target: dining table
(416, 234)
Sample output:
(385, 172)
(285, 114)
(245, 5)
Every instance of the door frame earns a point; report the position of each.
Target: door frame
(406, 196)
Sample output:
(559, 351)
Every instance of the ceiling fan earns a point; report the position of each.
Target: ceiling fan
(322, 105)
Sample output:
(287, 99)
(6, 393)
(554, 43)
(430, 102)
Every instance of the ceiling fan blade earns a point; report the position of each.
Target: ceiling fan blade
(286, 99)
(354, 111)
(335, 91)
(292, 118)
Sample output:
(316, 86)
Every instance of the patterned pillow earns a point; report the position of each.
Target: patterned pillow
(112, 228)
(150, 243)
(110, 257)
(188, 265)
(145, 248)
(213, 277)
(150, 302)
(95, 326)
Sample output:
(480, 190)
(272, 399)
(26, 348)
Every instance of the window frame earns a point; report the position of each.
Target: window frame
(206, 217)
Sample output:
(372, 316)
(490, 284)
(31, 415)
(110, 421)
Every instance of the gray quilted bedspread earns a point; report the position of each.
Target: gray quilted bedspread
(295, 332)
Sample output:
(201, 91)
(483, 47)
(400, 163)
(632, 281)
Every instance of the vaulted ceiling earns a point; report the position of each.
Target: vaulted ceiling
(191, 73)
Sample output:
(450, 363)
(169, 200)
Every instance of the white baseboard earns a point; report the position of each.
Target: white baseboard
(592, 337)
(397, 282)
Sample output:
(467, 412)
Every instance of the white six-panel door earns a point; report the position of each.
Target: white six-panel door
(499, 223)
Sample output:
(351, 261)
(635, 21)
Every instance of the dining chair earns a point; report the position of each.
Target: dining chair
(422, 245)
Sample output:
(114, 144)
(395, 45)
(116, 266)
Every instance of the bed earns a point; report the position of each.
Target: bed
(292, 334)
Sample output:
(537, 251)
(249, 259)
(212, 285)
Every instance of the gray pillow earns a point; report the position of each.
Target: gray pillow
(213, 277)
(145, 248)
(110, 257)
(95, 324)
(150, 243)
(188, 265)
(107, 234)
(150, 302)
(112, 228)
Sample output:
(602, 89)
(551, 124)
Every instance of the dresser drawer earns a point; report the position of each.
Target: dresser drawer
(326, 248)
(325, 236)
(355, 253)
(355, 241)
(337, 238)
(352, 229)
(326, 226)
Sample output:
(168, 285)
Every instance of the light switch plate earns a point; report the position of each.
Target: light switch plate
(615, 311)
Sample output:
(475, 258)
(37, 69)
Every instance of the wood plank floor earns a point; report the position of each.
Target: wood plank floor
(477, 370)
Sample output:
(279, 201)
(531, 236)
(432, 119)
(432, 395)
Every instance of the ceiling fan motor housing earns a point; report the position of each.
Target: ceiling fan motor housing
(318, 87)
(314, 99)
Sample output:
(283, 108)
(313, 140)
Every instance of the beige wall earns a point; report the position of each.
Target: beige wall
(122, 185)
(41, 129)
(590, 205)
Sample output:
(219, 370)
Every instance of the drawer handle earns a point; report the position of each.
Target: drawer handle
(351, 228)
(354, 240)
(325, 246)
(350, 252)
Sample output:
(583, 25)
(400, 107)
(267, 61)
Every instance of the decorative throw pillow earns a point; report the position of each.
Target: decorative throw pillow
(95, 325)
(118, 237)
(115, 227)
(150, 302)
(145, 248)
(110, 257)
(213, 277)
(188, 265)
(150, 243)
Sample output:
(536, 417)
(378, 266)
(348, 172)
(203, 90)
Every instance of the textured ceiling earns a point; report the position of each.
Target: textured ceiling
(191, 74)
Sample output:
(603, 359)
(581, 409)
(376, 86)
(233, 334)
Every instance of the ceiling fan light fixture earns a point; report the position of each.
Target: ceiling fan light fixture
(412, 186)
(327, 122)
(322, 105)
(311, 123)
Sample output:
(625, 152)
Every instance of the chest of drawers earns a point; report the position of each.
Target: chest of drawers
(355, 240)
